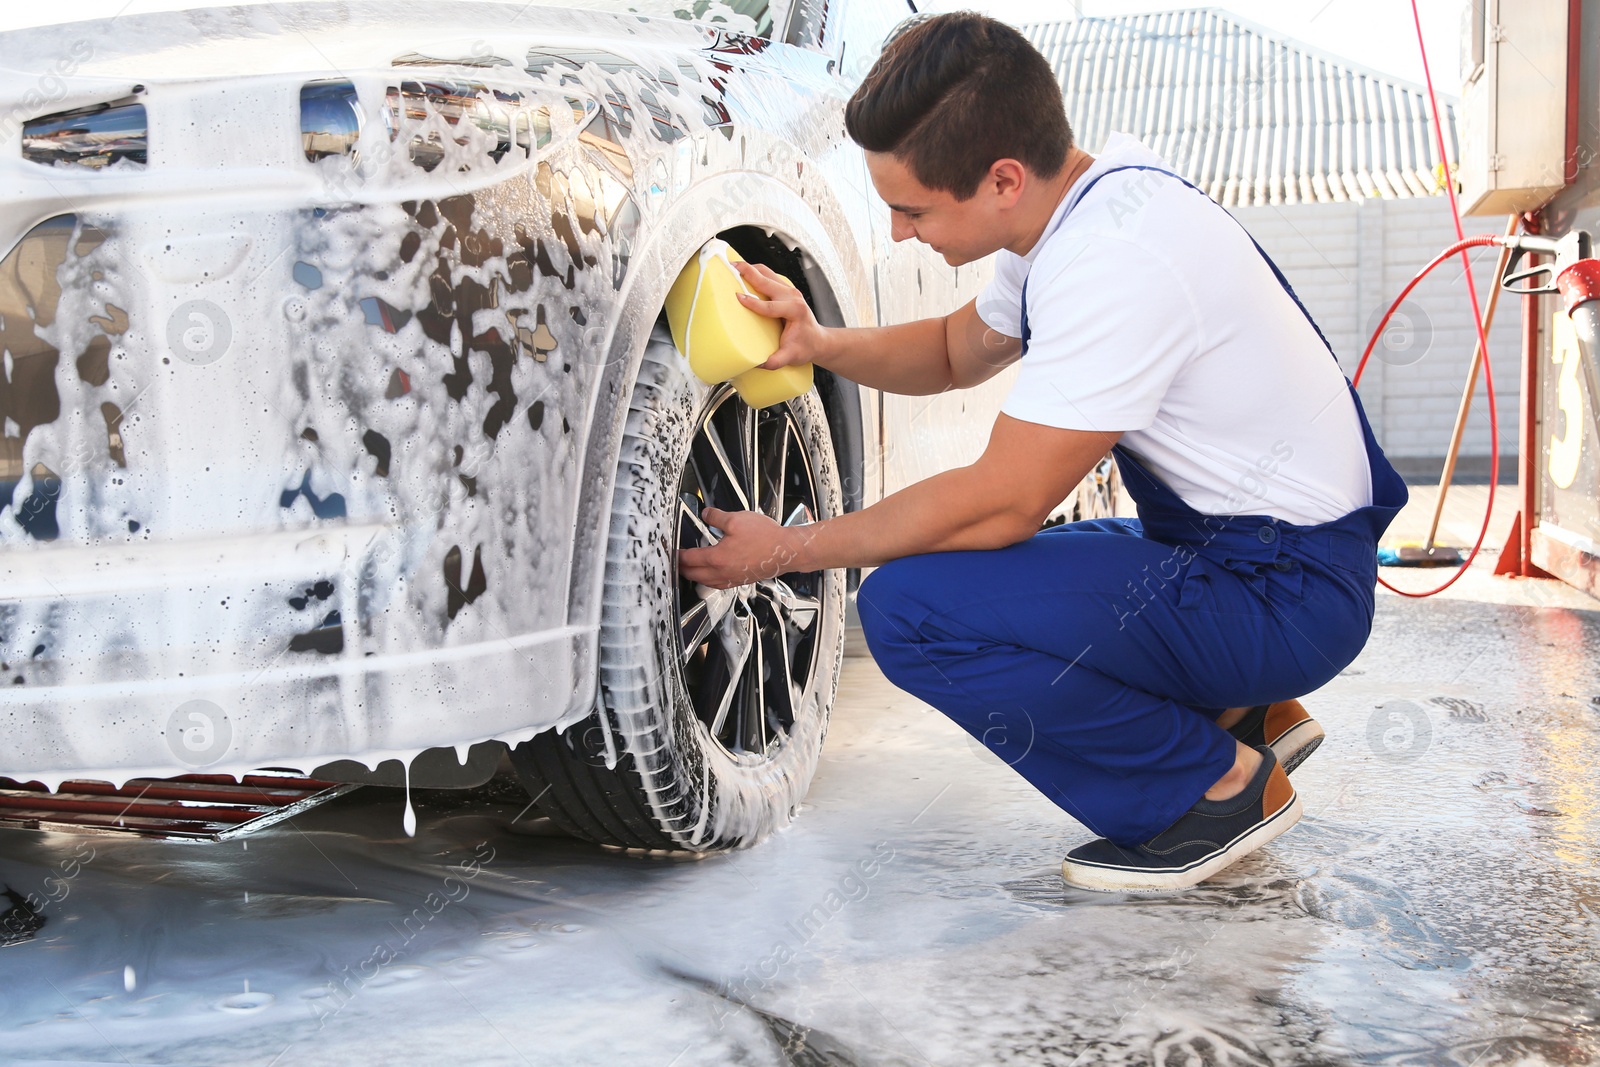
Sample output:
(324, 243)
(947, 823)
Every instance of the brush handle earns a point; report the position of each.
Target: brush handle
(1454, 451)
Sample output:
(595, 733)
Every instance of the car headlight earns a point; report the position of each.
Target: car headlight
(93, 137)
(330, 119)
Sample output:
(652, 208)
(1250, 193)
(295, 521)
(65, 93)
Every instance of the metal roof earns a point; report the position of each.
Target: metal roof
(1250, 116)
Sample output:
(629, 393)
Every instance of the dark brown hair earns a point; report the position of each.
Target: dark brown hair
(951, 94)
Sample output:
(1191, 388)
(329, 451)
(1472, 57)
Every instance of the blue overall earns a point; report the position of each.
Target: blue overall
(1095, 657)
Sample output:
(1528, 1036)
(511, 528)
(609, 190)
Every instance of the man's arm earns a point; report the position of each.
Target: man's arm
(914, 358)
(1000, 500)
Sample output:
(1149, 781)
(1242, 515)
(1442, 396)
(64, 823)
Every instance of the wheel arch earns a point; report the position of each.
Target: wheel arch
(840, 396)
(838, 282)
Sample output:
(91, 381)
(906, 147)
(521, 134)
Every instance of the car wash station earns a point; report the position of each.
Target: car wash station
(355, 710)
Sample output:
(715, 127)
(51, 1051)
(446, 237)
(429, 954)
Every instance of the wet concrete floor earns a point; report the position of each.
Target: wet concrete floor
(1437, 905)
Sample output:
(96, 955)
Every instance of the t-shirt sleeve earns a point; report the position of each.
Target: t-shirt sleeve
(1000, 303)
(1111, 326)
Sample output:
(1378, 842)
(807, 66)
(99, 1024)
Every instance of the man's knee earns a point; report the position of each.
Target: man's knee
(888, 607)
(897, 606)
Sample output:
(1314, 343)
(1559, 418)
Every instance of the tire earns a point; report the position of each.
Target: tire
(704, 750)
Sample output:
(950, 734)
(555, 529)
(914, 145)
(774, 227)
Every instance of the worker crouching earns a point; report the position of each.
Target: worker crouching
(1143, 673)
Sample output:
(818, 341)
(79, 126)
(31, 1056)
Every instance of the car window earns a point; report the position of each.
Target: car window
(867, 25)
(749, 16)
(810, 25)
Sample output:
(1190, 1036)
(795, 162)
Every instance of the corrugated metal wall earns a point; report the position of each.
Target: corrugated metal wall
(1251, 117)
(1331, 167)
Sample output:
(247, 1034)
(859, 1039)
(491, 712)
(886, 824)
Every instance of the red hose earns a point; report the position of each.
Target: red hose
(1463, 242)
(1460, 246)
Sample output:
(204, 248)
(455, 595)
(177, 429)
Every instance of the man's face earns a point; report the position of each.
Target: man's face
(959, 230)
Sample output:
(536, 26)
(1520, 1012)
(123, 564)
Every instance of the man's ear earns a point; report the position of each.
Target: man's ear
(1008, 178)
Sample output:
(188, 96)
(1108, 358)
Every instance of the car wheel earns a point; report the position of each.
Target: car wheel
(1096, 496)
(713, 704)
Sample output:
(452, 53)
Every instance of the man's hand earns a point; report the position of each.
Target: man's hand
(804, 339)
(753, 547)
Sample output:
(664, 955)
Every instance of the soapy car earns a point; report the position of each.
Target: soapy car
(343, 432)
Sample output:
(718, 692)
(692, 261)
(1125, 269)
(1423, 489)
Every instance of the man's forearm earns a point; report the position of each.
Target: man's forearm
(1000, 500)
(910, 358)
(949, 512)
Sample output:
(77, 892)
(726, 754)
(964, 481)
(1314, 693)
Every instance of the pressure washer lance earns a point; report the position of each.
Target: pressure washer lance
(1575, 275)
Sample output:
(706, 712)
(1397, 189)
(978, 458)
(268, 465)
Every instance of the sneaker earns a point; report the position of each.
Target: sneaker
(1286, 726)
(1207, 838)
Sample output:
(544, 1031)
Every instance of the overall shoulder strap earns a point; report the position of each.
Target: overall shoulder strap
(1077, 198)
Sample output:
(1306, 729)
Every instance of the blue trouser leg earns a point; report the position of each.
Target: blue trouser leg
(1094, 660)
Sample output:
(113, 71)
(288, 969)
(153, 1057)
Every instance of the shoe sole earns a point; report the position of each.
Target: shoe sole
(1115, 880)
(1294, 745)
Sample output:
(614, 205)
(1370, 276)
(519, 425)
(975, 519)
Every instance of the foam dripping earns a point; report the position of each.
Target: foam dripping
(409, 820)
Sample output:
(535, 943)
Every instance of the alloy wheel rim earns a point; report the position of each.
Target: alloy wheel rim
(747, 654)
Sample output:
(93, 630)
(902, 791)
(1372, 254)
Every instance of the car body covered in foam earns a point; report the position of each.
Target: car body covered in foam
(319, 323)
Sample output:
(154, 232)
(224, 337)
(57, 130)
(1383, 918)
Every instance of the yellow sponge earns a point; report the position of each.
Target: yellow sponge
(763, 388)
(721, 338)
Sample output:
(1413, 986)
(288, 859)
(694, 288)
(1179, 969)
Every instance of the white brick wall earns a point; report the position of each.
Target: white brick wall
(1348, 261)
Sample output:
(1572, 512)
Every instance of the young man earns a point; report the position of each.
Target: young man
(1140, 673)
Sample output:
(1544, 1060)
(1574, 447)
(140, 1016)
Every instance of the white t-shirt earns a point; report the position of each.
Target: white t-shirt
(1151, 312)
